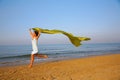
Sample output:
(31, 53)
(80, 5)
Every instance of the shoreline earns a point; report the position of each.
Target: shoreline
(102, 67)
(37, 61)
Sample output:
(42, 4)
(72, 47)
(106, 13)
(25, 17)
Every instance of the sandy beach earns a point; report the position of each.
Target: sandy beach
(106, 67)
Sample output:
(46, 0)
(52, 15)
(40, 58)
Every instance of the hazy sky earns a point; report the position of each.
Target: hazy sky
(97, 19)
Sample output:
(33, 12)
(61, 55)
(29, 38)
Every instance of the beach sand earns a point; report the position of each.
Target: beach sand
(105, 67)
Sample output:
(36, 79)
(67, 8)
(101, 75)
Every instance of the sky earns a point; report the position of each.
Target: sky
(96, 19)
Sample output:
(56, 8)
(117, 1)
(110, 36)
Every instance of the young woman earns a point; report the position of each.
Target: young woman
(35, 36)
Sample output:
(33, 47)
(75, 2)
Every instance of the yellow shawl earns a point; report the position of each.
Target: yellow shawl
(74, 39)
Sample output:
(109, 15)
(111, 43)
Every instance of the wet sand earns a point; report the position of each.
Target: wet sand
(106, 67)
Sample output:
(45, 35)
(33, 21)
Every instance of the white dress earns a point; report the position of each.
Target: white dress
(34, 46)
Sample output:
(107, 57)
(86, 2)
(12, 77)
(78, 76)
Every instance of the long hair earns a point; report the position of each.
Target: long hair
(36, 32)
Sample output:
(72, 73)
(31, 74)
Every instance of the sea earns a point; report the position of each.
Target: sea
(11, 55)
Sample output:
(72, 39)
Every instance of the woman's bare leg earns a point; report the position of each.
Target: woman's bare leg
(38, 55)
(41, 55)
(32, 60)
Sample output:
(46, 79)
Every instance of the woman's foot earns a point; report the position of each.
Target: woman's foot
(30, 66)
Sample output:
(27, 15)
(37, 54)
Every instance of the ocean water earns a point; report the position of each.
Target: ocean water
(16, 54)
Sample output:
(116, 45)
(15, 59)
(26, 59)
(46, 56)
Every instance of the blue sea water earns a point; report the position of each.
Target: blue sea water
(10, 54)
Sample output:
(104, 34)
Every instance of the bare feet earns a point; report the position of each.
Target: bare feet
(30, 66)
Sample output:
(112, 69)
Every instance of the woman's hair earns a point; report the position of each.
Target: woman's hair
(36, 32)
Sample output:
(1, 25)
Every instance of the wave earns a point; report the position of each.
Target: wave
(66, 53)
(18, 56)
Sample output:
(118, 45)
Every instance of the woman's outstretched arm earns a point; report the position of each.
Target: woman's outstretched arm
(38, 34)
(31, 34)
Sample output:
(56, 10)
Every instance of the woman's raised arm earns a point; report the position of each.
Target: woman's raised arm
(31, 34)
(38, 34)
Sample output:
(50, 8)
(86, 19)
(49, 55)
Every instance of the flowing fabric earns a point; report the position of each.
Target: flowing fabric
(76, 41)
